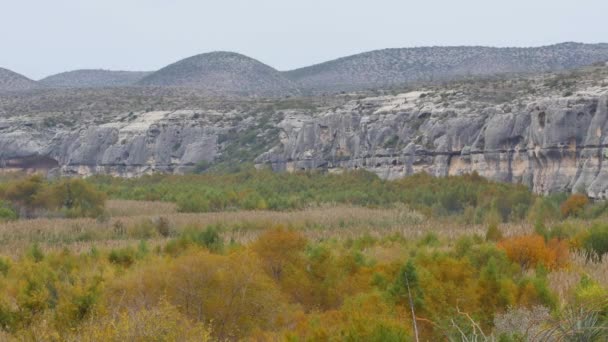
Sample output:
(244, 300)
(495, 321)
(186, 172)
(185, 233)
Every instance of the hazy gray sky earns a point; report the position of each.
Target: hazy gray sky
(42, 37)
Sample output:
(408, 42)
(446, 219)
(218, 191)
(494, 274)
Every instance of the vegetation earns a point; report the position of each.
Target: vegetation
(33, 196)
(252, 189)
(347, 257)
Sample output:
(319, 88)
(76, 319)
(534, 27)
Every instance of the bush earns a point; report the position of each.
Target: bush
(35, 253)
(574, 205)
(530, 251)
(493, 233)
(72, 197)
(123, 257)
(77, 198)
(596, 242)
(162, 226)
(163, 322)
(6, 212)
(209, 238)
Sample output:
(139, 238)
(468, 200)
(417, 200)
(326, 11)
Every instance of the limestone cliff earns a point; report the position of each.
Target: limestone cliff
(553, 144)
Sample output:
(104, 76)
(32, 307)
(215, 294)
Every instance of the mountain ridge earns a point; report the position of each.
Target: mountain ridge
(398, 66)
(231, 73)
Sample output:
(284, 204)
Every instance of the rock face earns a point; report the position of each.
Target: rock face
(222, 73)
(93, 79)
(152, 142)
(11, 81)
(554, 144)
(388, 67)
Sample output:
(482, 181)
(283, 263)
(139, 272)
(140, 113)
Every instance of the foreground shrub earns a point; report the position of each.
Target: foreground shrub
(160, 323)
(576, 324)
(230, 293)
(521, 324)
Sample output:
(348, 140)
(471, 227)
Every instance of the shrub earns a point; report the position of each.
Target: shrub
(596, 242)
(123, 257)
(144, 229)
(520, 324)
(277, 248)
(163, 322)
(35, 253)
(25, 194)
(530, 251)
(210, 238)
(493, 233)
(6, 212)
(429, 239)
(162, 226)
(574, 205)
(73, 197)
(193, 204)
(4, 266)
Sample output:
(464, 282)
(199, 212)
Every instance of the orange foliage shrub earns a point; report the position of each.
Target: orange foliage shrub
(574, 205)
(531, 250)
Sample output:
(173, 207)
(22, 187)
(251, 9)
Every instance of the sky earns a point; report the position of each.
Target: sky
(43, 37)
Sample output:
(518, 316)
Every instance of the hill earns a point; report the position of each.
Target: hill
(414, 65)
(222, 72)
(12, 81)
(93, 79)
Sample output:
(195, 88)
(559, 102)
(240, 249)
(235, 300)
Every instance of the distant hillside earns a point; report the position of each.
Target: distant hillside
(400, 66)
(93, 79)
(222, 72)
(12, 81)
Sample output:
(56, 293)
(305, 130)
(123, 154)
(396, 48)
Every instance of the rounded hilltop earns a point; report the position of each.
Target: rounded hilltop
(222, 72)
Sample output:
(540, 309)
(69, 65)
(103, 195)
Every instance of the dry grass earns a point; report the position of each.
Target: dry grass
(598, 271)
(124, 208)
(564, 282)
(331, 222)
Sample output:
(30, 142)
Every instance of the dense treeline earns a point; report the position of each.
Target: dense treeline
(471, 197)
(264, 189)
